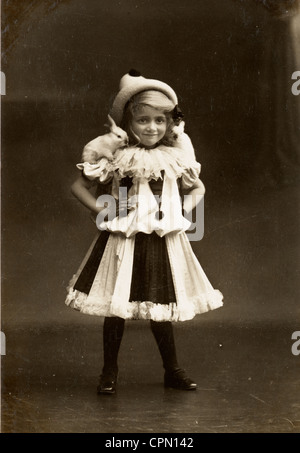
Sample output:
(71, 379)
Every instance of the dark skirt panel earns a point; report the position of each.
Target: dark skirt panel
(88, 273)
(151, 275)
(151, 278)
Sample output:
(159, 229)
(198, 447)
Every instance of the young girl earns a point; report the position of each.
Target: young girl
(142, 265)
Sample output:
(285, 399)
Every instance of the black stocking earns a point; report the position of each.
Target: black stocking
(163, 334)
(113, 329)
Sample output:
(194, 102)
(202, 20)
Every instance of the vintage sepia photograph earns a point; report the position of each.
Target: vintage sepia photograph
(150, 193)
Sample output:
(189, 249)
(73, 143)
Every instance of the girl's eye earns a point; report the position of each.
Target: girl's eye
(145, 120)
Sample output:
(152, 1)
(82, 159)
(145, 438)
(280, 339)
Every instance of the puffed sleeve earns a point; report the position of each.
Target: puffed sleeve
(190, 174)
(101, 171)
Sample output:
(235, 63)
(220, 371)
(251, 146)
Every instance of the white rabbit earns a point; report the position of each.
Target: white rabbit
(105, 145)
(183, 141)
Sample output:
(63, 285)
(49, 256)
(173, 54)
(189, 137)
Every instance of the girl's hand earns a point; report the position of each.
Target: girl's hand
(195, 195)
(94, 214)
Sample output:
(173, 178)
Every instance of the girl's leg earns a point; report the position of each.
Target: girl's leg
(113, 329)
(163, 334)
(175, 377)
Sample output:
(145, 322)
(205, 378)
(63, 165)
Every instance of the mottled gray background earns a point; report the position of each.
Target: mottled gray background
(230, 63)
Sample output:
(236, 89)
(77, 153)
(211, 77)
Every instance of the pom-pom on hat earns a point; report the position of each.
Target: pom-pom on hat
(133, 83)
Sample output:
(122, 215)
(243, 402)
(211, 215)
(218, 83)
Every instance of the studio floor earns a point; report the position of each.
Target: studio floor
(248, 380)
(240, 355)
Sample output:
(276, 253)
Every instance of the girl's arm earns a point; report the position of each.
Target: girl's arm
(81, 190)
(196, 193)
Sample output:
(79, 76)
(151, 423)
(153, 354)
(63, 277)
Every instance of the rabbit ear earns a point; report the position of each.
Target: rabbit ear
(111, 122)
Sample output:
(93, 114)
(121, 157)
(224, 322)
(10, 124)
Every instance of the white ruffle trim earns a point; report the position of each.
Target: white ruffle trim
(101, 171)
(148, 164)
(144, 164)
(146, 309)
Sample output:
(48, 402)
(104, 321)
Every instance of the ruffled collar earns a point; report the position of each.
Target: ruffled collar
(138, 162)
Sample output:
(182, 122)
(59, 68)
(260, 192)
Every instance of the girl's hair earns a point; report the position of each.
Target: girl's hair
(155, 99)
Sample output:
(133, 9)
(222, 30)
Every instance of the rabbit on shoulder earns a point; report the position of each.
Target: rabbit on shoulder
(183, 141)
(105, 145)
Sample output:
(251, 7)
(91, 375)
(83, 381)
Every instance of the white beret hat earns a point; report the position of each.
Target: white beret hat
(133, 83)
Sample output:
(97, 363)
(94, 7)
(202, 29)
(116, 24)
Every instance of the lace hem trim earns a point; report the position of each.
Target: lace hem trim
(146, 309)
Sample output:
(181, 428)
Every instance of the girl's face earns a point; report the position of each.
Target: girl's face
(149, 124)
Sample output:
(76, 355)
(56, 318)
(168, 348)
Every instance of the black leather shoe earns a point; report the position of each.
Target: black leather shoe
(178, 379)
(107, 385)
